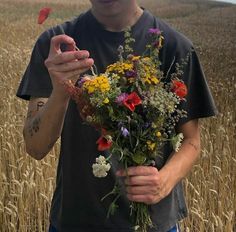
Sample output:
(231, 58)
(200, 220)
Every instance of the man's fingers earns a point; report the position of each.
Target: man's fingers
(138, 171)
(148, 199)
(142, 181)
(75, 74)
(56, 41)
(141, 190)
(69, 56)
(71, 66)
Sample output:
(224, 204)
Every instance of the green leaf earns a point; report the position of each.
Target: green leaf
(139, 158)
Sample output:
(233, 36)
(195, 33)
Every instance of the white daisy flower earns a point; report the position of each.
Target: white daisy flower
(177, 141)
(101, 167)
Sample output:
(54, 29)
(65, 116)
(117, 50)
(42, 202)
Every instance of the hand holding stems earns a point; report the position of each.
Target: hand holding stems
(148, 185)
(66, 66)
(145, 184)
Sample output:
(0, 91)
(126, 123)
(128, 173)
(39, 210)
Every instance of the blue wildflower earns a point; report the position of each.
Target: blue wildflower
(124, 131)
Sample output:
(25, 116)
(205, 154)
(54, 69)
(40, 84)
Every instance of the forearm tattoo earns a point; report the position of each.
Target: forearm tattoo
(31, 113)
(40, 104)
(34, 126)
(194, 146)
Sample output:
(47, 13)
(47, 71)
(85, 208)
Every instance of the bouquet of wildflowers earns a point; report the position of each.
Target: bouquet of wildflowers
(136, 110)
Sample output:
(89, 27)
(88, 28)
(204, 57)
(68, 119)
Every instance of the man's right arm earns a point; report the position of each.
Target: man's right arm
(45, 117)
(43, 124)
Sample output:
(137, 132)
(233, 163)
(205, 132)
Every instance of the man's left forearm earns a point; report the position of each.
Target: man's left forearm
(181, 162)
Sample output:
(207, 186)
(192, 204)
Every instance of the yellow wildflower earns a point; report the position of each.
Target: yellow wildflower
(104, 87)
(151, 145)
(127, 66)
(158, 134)
(155, 80)
(146, 80)
(89, 86)
(106, 101)
(135, 58)
(90, 89)
(100, 83)
(119, 67)
(146, 59)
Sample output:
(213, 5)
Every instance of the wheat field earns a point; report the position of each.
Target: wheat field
(26, 185)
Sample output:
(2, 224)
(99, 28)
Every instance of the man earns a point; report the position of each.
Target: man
(76, 204)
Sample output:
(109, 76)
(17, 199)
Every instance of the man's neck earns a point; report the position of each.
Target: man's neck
(121, 21)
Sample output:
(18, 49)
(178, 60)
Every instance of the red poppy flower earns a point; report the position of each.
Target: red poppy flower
(43, 14)
(104, 142)
(179, 88)
(132, 100)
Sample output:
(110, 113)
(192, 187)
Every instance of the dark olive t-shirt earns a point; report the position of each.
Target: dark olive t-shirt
(76, 204)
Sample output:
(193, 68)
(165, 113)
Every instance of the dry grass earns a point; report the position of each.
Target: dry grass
(27, 185)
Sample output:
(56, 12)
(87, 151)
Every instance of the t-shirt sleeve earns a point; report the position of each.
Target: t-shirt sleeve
(36, 81)
(199, 101)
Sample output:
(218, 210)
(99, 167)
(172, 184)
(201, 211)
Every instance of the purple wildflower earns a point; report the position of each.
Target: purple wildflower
(124, 131)
(120, 124)
(81, 81)
(154, 31)
(146, 125)
(130, 73)
(121, 98)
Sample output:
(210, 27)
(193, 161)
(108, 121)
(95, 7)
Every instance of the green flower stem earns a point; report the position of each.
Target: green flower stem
(93, 68)
(130, 140)
(113, 206)
(142, 218)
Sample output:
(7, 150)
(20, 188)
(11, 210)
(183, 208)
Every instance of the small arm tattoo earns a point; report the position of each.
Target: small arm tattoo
(34, 127)
(40, 104)
(194, 146)
(31, 113)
